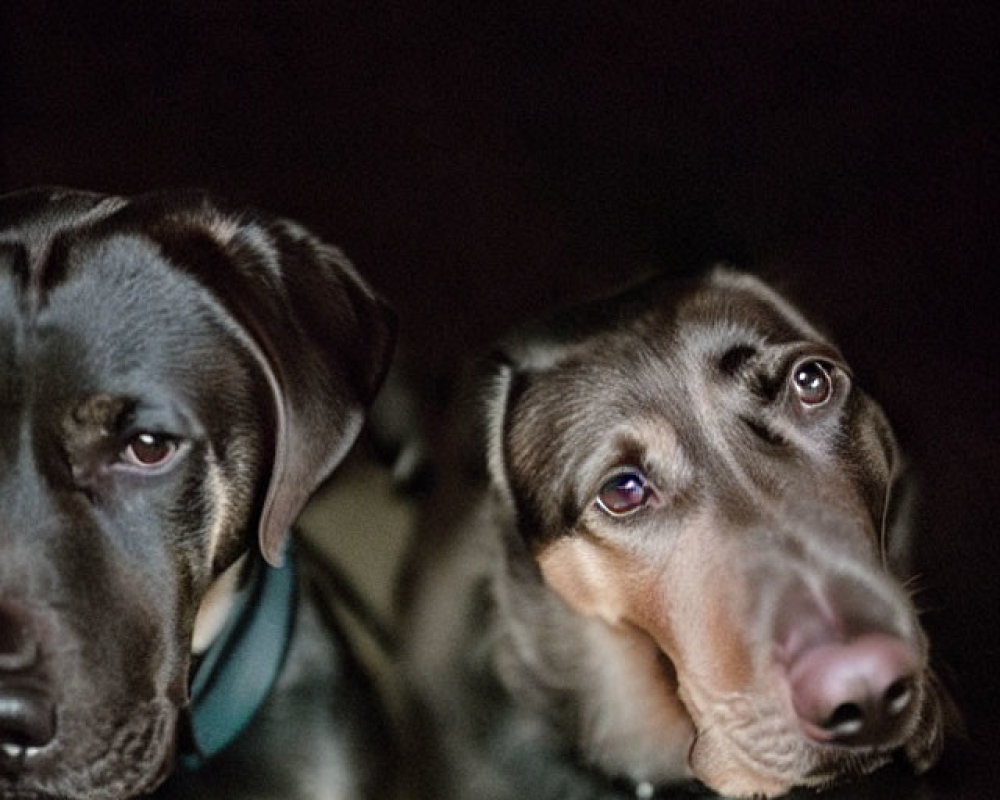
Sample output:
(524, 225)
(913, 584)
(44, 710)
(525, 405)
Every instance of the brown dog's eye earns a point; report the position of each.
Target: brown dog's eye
(147, 450)
(624, 493)
(812, 382)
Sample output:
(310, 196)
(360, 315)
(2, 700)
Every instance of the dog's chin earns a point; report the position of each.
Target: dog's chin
(763, 755)
(738, 773)
(97, 757)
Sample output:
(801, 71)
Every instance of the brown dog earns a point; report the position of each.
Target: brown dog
(668, 547)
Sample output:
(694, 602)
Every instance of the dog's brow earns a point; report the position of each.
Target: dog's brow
(96, 415)
(735, 357)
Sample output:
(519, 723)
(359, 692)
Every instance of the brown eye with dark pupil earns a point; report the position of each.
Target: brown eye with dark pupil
(149, 450)
(812, 383)
(623, 494)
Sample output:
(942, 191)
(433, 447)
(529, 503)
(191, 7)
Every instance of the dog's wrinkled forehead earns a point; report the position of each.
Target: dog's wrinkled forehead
(171, 278)
(648, 345)
(103, 299)
(668, 321)
(584, 394)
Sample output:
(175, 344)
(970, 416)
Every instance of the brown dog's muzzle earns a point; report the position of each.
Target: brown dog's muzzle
(797, 657)
(805, 662)
(854, 680)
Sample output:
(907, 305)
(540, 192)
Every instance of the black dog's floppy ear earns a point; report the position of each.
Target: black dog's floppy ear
(320, 335)
(328, 362)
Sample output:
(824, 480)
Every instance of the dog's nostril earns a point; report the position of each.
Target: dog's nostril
(847, 719)
(897, 697)
(850, 719)
(27, 720)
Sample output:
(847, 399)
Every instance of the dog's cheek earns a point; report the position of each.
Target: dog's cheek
(707, 601)
(234, 483)
(601, 582)
(589, 576)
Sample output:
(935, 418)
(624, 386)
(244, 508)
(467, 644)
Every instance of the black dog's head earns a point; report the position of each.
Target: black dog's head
(696, 476)
(176, 378)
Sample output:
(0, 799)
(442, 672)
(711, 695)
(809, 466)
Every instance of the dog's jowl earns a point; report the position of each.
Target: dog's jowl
(176, 378)
(667, 546)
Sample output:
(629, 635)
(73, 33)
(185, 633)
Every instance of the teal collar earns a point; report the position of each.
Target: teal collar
(239, 670)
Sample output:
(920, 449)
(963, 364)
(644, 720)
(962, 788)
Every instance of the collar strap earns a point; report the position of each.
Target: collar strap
(239, 670)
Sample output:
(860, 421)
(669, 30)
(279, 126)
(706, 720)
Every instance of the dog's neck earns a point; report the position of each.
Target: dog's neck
(243, 656)
(627, 721)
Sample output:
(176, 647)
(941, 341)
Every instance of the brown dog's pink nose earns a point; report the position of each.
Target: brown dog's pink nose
(855, 692)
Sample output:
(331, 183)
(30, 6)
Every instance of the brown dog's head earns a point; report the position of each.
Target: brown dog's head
(176, 378)
(694, 469)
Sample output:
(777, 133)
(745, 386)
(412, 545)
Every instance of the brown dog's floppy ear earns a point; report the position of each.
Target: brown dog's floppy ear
(320, 335)
(509, 376)
(496, 400)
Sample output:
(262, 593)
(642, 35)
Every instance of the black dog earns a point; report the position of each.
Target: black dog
(666, 546)
(177, 378)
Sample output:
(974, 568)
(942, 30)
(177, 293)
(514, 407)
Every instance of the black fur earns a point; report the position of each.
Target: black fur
(253, 349)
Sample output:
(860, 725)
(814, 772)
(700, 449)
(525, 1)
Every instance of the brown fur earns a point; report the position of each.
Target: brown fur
(648, 649)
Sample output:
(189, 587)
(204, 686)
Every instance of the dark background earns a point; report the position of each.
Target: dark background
(482, 164)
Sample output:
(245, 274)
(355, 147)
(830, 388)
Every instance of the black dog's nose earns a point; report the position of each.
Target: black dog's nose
(27, 714)
(27, 719)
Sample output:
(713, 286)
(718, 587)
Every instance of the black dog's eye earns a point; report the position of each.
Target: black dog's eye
(148, 450)
(812, 382)
(625, 493)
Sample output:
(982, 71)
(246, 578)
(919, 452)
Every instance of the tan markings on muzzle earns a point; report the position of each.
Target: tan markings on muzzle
(589, 575)
(640, 725)
(745, 744)
(689, 597)
(703, 593)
